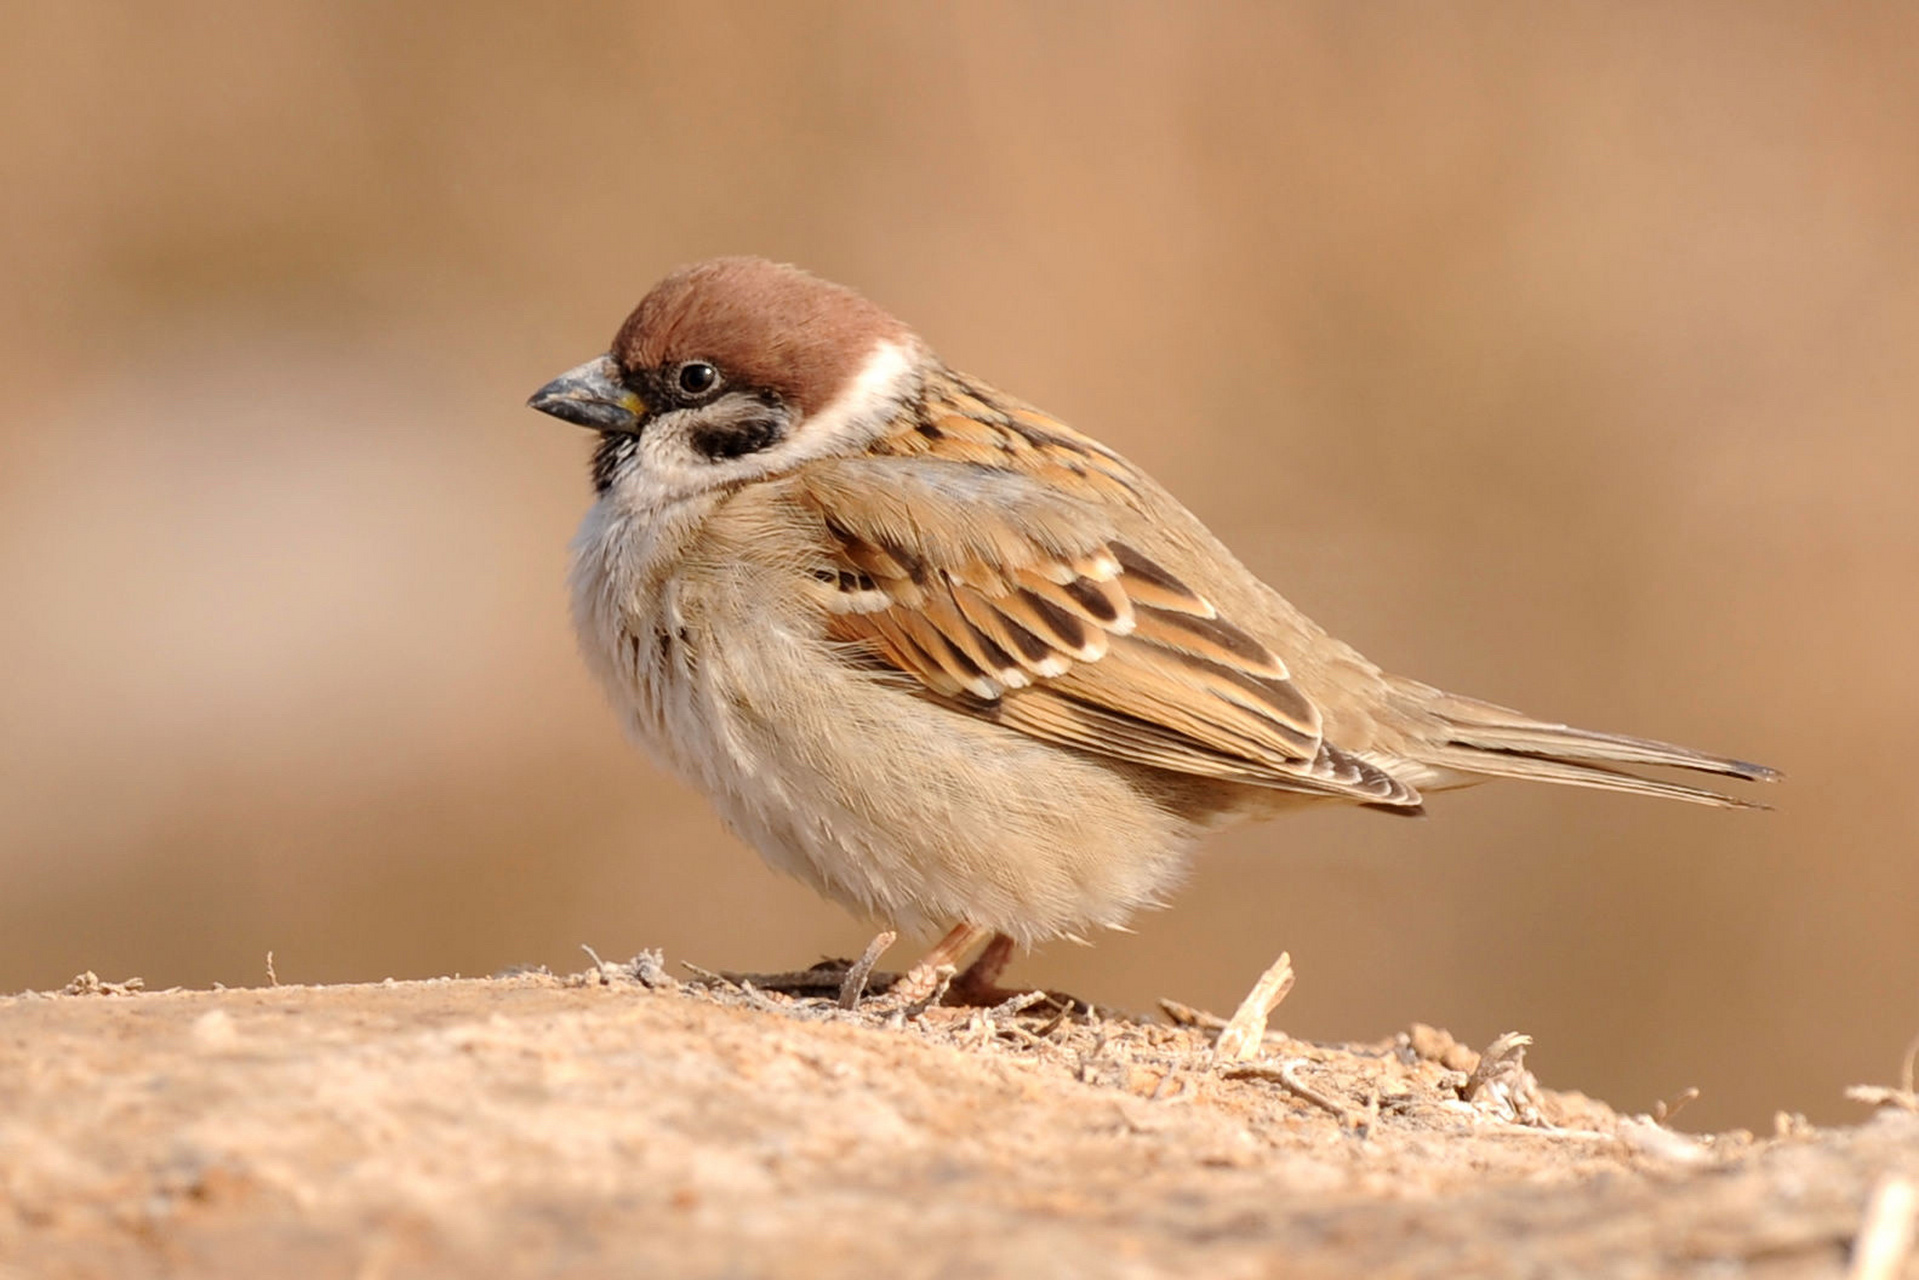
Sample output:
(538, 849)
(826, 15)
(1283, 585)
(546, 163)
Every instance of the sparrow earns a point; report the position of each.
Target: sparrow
(953, 663)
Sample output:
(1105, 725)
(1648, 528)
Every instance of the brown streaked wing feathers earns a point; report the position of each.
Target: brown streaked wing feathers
(1013, 599)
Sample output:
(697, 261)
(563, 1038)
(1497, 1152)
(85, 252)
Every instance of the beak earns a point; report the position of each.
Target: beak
(591, 396)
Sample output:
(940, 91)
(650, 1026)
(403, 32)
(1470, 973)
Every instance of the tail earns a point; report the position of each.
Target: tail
(1474, 737)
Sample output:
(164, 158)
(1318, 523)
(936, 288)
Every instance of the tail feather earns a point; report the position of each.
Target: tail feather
(1494, 741)
(1574, 773)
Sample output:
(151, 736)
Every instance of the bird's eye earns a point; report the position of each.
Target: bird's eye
(697, 377)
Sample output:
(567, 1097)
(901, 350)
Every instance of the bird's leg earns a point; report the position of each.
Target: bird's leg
(979, 985)
(923, 979)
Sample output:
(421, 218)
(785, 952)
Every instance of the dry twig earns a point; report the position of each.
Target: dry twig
(1019, 1003)
(1245, 1034)
(600, 966)
(1902, 1097)
(90, 984)
(1663, 1111)
(709, 977)
(648, 968)
(1286, 1075)
(1503, 1056)
(1185, 1015)
(854, 984)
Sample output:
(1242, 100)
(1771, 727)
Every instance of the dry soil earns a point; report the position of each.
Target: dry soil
(626, 1121)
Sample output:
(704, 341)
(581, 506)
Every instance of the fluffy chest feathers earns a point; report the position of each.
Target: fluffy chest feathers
(632, 620)
(706, 625)
(710, 625)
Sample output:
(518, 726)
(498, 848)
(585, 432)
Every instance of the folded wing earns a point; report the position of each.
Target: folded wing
(1017, 601)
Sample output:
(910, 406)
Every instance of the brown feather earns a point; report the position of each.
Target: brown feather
(1029, 650)
(1198, 704)
(1045, 713)
(1081, 597)
(1211, 638)
(1000, 578)
(1154, 587)
(985, 653)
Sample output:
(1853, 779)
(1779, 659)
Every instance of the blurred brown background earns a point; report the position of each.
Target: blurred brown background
(1562, 355)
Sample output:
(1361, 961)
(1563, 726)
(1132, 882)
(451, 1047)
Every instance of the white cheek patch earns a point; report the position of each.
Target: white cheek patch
(671, 469)
(859, 414)
(668, 462)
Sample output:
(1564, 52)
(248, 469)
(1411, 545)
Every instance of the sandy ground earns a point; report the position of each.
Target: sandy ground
(627, 1122)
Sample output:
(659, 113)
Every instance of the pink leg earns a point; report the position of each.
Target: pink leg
(979, 984)
(923, 978)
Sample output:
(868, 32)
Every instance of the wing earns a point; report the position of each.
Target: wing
(985, 560)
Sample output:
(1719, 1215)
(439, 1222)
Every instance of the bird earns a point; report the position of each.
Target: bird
(953, 663)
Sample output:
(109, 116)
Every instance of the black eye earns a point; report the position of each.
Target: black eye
(697, 377)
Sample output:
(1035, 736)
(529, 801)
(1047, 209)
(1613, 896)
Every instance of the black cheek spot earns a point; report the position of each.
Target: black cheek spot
(737, 439)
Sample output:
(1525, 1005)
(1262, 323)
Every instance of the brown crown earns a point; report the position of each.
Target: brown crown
(766, 325)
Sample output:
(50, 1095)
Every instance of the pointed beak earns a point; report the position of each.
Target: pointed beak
(591, 396)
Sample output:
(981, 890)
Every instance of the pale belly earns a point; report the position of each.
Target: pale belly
(910, 813)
